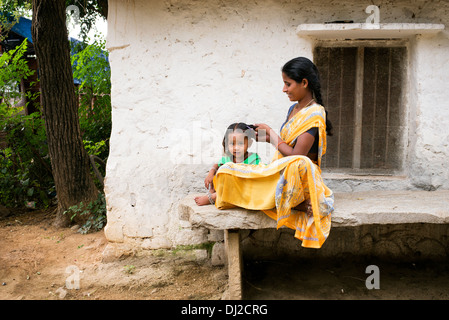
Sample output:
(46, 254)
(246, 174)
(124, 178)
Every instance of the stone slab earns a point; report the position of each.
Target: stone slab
(351, 209)
(210, 217)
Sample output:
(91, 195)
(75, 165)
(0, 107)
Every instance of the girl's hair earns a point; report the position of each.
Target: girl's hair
(247, 130)
(302, 68)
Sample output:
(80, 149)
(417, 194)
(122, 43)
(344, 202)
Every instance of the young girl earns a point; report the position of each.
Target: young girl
(237, 140)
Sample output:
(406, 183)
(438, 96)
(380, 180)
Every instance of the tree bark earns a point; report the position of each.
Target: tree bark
(103, 4)
(69, 159)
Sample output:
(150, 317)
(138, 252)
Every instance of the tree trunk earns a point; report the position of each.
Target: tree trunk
(69, 160)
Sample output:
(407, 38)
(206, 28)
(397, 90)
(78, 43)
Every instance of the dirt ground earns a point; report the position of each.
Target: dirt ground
(41, 262)
(37, 259)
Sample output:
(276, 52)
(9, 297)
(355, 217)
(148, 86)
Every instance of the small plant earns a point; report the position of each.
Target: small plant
(129, 269)
(96, 212)
(206, 245)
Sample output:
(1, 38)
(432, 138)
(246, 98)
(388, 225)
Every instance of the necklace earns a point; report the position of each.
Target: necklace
(305, 105)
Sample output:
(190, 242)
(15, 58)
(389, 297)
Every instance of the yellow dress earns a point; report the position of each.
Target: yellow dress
(283, 184)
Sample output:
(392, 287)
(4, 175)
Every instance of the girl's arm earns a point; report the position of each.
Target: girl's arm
(303, 143)
(210, 176)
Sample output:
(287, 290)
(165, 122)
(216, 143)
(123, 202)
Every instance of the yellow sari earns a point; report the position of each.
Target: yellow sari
(283, 184)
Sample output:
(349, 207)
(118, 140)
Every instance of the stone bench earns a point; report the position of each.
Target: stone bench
(351, 209)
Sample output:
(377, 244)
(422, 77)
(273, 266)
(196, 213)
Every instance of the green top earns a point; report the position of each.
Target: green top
(253, 158)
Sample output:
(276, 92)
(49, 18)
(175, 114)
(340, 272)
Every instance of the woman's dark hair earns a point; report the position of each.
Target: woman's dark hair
(247, 130)
(302, 68)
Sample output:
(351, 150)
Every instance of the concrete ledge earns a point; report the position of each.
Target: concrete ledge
(391, 207)
(366, 31)
(351, 209)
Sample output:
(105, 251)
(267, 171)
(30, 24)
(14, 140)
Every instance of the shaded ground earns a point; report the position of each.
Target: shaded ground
(345, 280)
(37, 261)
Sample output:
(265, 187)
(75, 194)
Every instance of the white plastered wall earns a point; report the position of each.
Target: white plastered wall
(182, 71)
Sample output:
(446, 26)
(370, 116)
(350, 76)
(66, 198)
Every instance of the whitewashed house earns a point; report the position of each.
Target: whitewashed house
(183, 70)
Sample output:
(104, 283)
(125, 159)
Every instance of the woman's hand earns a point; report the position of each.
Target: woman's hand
(263, 132)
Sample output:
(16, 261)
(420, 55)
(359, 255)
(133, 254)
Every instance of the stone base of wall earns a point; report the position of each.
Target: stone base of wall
(404, 242)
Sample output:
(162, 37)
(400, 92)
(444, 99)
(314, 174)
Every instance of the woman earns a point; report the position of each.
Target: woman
(293, 179)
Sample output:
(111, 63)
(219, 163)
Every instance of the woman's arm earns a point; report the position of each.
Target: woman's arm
(302, 147)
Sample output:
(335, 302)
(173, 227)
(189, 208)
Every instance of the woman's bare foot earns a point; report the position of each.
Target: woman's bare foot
(305, 206)
(202, 200)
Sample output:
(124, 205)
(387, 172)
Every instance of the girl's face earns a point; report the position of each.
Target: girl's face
(294, 90)
(237, 145)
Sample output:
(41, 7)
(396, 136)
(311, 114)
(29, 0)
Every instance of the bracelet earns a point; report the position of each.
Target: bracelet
(210, 198)
(280, 144)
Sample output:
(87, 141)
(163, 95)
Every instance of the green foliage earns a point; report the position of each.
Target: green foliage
(94, 210)
(91, 67)
(95, 148)
(89, 12)
(13, 68)
(25, 167)
(10, 12)
(25, 174)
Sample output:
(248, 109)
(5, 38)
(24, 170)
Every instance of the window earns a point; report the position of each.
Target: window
(362, 88)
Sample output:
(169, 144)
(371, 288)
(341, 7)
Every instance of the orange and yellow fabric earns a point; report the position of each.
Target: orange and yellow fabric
(283, 184)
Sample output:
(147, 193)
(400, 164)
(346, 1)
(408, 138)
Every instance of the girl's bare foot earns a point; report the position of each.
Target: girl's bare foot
(202, 200)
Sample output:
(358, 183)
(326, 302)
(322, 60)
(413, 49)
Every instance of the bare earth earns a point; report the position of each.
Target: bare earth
(41, 262)
(36, 259)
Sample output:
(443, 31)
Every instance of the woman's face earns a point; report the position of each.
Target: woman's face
(238, 145)
(294, 90)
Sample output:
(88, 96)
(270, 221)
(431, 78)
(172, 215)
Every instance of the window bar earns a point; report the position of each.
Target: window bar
(358, 110)
(340, 106)
(387, 128)
(376, 71)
